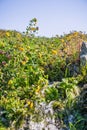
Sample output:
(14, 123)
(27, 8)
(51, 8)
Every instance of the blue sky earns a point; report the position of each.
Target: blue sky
(54, 16)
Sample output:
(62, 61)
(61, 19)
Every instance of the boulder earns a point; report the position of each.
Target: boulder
(83, 54)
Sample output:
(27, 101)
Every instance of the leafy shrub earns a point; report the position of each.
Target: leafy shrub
(20, 78)
(51, 94)
(26, 62)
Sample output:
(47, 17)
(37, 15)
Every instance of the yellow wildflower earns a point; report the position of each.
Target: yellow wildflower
(28, 47)
(18, 35)
(10, 82)
(32, 28)
(69, 38)
(21, 48)
(8, 34)
(75, 33)
(31, 105)
(23, 62)
(2, 44)
(62, 40)
(38, 89)
(54, 52)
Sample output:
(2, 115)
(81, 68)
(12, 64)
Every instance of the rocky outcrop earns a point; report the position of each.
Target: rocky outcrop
(83, 54)
(83, 99)
(43, 119)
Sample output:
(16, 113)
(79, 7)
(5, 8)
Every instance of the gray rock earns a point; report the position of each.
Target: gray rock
(83, 54)
(70, 118)
(51, 127)
(83, 59)
(84, 49)
(47, 122)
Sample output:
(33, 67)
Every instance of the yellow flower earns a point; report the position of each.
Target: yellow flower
(2, 44)
(75, 33)
(54, 52)
(32, 28)
(28, 47)
(38, 89)
(21, 48)
(10, 82)
(8, 34)
(69, 38)
(19, 35)
(23, 62)
(31, 105)
(62, 40)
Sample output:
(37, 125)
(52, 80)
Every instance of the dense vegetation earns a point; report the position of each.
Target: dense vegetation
(28, 64)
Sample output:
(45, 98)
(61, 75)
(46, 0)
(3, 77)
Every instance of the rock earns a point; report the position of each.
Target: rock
(83, 59)
(83, 54)
(70, 118)
(51, 127)
(3, 118)
(83, 100)
(73, 69)
(47, 121)
(84, 49)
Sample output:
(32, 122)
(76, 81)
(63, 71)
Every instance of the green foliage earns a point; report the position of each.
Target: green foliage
(56, 70)
(32, 28)
(83, 71)
(65, 95)
(2, 127)
(21, 78)
(27, 64)
(66, 90)
(79, 123)
(51, 94)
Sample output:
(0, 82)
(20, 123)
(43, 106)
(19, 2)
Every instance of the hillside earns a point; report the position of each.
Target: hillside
(35, 70)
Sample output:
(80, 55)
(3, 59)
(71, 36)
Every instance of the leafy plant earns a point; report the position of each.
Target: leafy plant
(28, 63)
(32, 28)
(51, 94)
